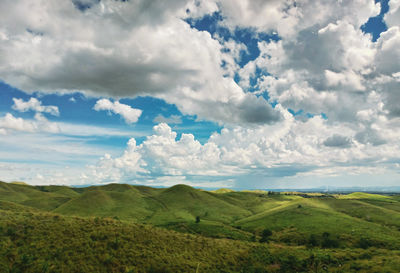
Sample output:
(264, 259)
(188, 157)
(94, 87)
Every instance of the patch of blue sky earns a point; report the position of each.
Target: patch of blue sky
(376, 25)
(8, 92)
(80, 111)
(152, 107)
(324, 116)
(254, 80)
(248, 36)
(296, 113)
(251, 38)
(202, 130)
(302, 114)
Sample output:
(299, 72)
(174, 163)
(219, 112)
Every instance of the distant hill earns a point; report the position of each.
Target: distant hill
(18, 183)
(222, 190)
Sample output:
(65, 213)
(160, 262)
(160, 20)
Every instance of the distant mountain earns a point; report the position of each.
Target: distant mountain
(330, 189)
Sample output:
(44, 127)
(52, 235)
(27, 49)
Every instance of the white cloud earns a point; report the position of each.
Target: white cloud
(386, 82)
(289, 17)
(345, 79)
(392, 18)
(124, 49)
(34, 105)
(130, 115)
(39, 124)
(330, 69)
(9, 123)
(266, 150)
(323, 63)
(169, 181)
(173, 119)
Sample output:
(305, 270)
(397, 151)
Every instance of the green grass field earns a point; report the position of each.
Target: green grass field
(124, 228)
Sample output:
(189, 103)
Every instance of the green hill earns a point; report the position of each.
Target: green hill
(128, 204)
(35, 241)
(304, 224)
(363, 195)
(184, 203)
(292, 217)
(295, 222)
(222, 190)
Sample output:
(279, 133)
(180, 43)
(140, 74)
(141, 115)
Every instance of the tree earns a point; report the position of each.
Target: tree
(197, 219)
(265, 235)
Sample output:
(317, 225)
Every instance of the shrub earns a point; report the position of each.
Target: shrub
(364, 243)
(265, 235)
(328, 242)
(312, 241)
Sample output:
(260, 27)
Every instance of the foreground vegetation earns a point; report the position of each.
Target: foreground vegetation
(113, 228)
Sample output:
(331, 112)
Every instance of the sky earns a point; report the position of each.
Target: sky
(242, 94)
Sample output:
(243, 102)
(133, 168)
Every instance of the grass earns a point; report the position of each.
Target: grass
(35, 241)
(357, 232)
(363, 195)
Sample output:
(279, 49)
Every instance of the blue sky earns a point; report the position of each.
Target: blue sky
(212, 93)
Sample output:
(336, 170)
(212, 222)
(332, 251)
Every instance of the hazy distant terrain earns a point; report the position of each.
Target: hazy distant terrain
(116, 228)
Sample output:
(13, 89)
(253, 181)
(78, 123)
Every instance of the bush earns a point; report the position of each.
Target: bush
(265, 235)
(312, 241)
(364, 243)
(328, 242)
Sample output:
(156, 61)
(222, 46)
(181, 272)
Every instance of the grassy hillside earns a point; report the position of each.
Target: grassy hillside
(304, 224)
(34, 241)
(292, 218)
(44, 242)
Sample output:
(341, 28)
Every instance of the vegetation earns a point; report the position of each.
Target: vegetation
(123, 228)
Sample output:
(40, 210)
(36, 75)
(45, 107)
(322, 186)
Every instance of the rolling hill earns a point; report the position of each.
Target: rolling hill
(299, 222)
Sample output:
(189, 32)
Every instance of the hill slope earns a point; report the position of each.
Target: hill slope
(34, 241)
(292, 218)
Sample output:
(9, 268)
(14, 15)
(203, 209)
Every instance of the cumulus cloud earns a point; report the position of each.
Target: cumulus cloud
(319, 71)
(292, 148)
(123, 49)
(129, 114)
(344, 85)
(392, 18)
(289, 17)
(9, 123)
(329, 65)
(35, 105)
